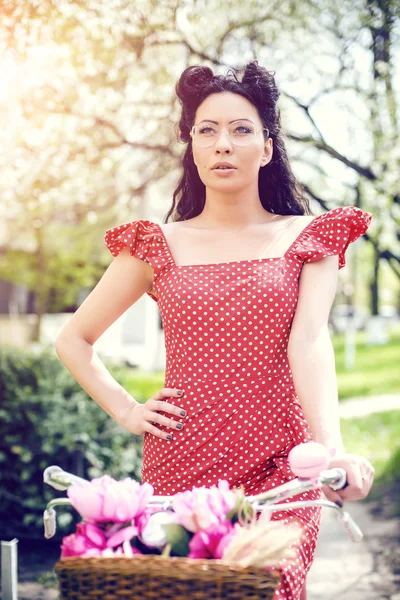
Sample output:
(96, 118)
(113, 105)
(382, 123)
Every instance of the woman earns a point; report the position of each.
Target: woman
(244, 279)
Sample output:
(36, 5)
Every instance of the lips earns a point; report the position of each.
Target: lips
(223, 166)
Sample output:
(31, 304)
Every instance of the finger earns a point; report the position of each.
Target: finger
(368, 480)
(331, 495)
(359, 476)
(353, 472)
(167, 392)
(161, 406)
(165, 435)
(357, 490)
(155, 417)
(368, 472)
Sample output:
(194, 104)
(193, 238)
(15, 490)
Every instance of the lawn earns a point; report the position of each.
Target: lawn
(377, 437)
(377, 368)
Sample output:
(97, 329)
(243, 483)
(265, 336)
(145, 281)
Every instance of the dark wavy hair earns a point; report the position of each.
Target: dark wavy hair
(279, 190)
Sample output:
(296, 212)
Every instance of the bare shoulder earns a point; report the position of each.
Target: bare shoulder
(304, 220)
(176, 225)
(297, 223)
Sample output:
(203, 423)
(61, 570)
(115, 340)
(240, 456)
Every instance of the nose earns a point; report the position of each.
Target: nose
(223, 143)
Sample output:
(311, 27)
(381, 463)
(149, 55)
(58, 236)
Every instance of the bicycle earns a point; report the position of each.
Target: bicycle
(308, 463)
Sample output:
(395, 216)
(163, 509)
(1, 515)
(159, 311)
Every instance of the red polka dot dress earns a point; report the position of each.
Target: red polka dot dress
(227, 328)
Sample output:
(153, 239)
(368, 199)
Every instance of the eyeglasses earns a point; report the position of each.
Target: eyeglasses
(240, 133)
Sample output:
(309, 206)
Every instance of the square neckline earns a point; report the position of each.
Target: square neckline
(237, 262)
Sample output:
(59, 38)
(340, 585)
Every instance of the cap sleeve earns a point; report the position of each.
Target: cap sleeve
(331, 233)
(144, 240)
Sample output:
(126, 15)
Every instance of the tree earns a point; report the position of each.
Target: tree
(67, 169)
(93, 123)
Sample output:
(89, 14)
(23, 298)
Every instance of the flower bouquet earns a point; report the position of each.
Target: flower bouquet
(208, 543)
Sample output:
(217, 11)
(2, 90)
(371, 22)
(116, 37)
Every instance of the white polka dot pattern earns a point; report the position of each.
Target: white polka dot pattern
(226, 328)
(331, 233)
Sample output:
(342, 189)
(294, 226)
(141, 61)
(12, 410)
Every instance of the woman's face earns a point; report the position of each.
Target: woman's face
(221, 110)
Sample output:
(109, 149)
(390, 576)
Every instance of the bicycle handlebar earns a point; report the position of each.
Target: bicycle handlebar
(271, 500)
(58, 479)
(308, 461)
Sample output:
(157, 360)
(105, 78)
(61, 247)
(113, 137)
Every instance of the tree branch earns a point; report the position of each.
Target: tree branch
(320, 145)
(306, 109)
(314, 196)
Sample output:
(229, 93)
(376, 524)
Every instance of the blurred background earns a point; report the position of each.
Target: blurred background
(87, 117)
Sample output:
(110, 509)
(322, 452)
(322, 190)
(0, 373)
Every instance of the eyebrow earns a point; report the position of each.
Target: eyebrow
(216, 122)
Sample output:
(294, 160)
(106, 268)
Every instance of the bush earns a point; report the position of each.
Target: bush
(46, 418)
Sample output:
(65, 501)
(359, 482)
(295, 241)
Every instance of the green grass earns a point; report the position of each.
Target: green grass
(140, 385)
(377, 368)
(376, 436)
(48, 579)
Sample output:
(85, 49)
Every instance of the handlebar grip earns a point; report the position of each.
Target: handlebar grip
(60, 480)
(353, 530)
(49, 522)
(340, 479)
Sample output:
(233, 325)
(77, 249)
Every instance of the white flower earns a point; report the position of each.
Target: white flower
(153, 535)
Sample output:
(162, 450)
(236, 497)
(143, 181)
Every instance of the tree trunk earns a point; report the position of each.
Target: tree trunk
(41, 291)
(374, 286)
(382, 105)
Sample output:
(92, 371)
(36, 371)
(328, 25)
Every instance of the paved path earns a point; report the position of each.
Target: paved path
(360, 407)
(343, 570)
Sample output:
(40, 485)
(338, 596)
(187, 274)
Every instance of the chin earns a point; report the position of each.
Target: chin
(226, 184)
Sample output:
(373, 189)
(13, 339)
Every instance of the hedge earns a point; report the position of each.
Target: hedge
(46, 418)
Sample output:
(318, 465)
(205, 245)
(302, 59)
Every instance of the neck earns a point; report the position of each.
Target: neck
(238, 209)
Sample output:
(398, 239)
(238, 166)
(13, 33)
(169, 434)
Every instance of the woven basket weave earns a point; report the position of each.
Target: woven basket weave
(150, 577)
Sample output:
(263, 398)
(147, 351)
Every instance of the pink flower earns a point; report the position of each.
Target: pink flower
(93, 553)
(211, 543)
(106, 500)
(88, 540)
(93, 533)
(74, 545)
(122, 535)
(125, 550)
(203, 508)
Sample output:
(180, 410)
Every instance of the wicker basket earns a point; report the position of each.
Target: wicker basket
(150, 577)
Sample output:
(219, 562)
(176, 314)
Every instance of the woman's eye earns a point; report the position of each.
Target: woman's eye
(206, 130)
(243, 129)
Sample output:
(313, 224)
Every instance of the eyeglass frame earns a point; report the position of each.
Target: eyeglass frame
(226, 131)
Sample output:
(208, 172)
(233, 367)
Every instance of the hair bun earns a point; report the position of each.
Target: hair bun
(259, 77)
(192, 80)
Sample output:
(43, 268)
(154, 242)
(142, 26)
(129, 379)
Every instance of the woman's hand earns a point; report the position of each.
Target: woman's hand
(142, 418)
(360, 476)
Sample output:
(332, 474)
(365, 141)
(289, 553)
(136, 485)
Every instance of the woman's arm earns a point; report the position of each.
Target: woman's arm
(310, 351)
(312, 363)
(124, 282)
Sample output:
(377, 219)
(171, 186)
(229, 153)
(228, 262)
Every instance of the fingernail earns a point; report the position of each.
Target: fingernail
(183, 413)
(179, 392)
(179, 425)
(169, 437)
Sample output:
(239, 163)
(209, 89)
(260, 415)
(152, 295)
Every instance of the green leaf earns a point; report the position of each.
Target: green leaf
(178, 537)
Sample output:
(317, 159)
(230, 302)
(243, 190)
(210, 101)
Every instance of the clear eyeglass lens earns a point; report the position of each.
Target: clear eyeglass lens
(240, 133)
